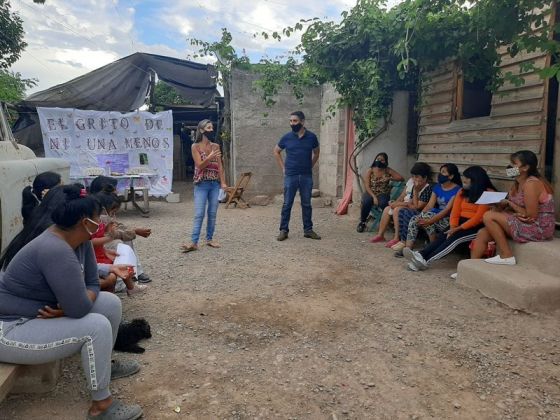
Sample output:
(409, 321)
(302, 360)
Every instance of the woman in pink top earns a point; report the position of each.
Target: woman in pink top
(526, 216)
(208, 178)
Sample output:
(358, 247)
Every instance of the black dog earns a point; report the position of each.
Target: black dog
(130, 333)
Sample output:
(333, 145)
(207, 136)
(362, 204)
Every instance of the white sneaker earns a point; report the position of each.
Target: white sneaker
(453, 276)
(412, 267)
(501, 261)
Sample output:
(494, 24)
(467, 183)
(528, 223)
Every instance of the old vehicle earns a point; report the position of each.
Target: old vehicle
(18, 168)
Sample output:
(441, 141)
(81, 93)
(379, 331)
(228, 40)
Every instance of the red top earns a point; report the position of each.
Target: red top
(100, 255)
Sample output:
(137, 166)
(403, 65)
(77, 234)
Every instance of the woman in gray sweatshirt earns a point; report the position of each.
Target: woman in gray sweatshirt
(51, 306)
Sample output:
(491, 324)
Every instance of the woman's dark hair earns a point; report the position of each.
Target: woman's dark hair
(103, 183)
(422, 169)
(453, 171)
(39, 220)
(480, 182)
(31, 196)
(107, 200)
(74, 208)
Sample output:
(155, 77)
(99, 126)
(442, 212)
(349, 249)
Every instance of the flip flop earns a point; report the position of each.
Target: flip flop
(189, 248)
(213, 244)
(118, 411)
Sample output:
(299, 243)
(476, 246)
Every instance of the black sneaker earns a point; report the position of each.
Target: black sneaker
(282, 236)
(311, 235)
(144, 278)
(361, 227)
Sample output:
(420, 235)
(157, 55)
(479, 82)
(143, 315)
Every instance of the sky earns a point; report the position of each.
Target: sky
(68, 38)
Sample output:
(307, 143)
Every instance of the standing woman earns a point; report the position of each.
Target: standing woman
(208, 178)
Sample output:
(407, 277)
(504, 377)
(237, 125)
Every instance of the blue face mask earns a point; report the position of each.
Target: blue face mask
(442, 179)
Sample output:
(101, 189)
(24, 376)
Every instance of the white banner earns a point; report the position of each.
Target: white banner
(137, 142)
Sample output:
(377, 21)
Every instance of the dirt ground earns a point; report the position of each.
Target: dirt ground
(328, 329)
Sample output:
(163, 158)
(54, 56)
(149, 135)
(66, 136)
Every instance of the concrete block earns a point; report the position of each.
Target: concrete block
(541, 256)
(517, 286)
(173, 198)
(36, 378)
(259, 200)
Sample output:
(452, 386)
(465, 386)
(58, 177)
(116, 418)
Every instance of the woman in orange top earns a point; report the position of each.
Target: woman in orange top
(465, 221)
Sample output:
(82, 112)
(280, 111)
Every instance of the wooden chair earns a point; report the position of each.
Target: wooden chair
(235, 194)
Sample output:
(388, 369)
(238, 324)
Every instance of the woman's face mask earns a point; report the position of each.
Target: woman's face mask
(513, 171)
(97, 226)
(105, 218)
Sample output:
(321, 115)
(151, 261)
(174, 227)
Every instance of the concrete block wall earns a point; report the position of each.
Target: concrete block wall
(256, 129)
(333, 142)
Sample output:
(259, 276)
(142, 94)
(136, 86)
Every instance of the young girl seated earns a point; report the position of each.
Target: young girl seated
(420, 172)
(421, 193)
(526, 216)
(377, 181)
(465, 220)
(434, 218)
(102, 236)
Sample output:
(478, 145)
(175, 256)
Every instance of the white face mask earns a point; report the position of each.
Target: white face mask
(513, 172)
(95, 223)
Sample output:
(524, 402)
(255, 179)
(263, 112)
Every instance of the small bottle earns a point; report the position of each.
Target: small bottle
(108, 168)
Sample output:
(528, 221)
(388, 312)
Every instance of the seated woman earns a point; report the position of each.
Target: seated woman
(32, 196)
(377, 181)
(421, 193)
(434, 218)
(465, 220)
(121, 232)
(527, 216)
(51, 306)
(40, 220)
(103, 236)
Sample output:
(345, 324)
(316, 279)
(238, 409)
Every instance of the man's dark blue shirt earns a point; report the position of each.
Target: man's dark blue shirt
(299, 152)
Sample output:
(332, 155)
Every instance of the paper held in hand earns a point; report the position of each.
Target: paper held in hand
(126, 256)
(491, 197)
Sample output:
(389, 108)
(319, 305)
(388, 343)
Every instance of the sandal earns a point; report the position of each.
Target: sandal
(118, 411)
(392, 242)
(122, 369)
(376, 239)
(189, 248)
(213, 244)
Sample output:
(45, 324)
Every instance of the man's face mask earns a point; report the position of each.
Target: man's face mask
(296, 127)
(513, 171)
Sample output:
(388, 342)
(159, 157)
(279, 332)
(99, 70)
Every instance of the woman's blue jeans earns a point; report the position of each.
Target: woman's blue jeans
(205, 192)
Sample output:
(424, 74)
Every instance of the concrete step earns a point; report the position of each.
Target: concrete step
(24, 379)
(541, 256)
(517, 286)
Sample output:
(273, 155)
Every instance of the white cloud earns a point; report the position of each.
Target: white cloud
(68, 38)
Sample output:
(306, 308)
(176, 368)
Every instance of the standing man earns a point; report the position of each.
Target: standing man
(302, 152)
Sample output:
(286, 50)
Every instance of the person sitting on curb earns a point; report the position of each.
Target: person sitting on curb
(434, 219)
(31, 196)
(377, 182)
(526, 216)
(122, 232)
(51, 306)
(465, 221)
(421, 193)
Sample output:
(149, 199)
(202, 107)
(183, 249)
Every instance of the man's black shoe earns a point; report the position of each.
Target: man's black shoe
(311, 235)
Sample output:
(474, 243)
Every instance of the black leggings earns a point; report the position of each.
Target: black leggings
(443, 246)
(367, 204)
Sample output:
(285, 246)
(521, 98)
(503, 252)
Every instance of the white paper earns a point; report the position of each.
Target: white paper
(126, 256)
(490, 197)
